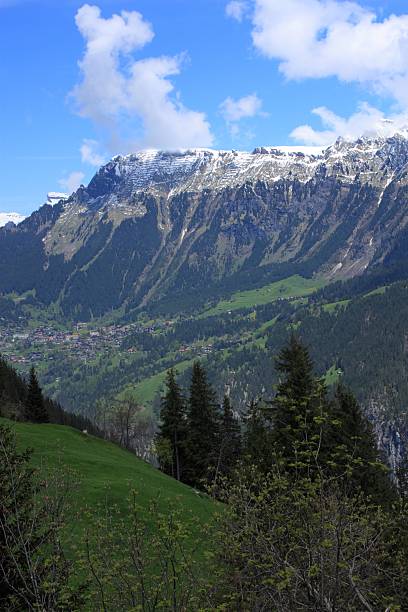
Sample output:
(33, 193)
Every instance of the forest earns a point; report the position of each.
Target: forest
(307, 515)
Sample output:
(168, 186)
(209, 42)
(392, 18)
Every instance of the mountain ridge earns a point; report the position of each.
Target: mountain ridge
(155, 223)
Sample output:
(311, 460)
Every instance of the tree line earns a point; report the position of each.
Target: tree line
(200, 440)
(24, 400)
(310, 517)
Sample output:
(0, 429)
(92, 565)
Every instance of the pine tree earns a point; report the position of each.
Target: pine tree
(172, 429)
(202, 429)
(230, 439)
(34, 408)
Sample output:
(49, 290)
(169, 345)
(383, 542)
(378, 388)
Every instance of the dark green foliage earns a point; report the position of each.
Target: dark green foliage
(257, 442)
(295, 365)
(12, 391)
(229, 439)
(202, 442)
(172, 428)
(299, 409)
(15, 493)
(13, 396)
(34, 572)
(355, 437)
(34, 408)
(308, 433)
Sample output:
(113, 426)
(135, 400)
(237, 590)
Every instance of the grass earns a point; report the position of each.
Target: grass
(145, 391)
(294, 286)
(332, 376)
(378, 291)
(107, 474)
(335, 305)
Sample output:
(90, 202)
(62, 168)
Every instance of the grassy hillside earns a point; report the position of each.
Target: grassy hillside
(106, 474)
(294, 286)
(146, 390)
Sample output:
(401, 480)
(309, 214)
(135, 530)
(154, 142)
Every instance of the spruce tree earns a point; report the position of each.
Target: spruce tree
(202, 429)
(300, 408)
(34, 408)
(172, 429)
(354, 436)
(230, 439)
(257, 439)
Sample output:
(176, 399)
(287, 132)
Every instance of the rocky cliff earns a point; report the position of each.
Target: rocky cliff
(157, 223)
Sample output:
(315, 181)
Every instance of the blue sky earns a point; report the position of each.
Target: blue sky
(180, 73)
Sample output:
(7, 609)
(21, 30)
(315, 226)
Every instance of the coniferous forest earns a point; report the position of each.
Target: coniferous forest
(306, 513)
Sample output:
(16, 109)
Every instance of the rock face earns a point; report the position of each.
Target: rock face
(155, 223)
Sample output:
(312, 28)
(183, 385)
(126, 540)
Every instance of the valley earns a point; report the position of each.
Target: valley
(168, 258)
(70, 355)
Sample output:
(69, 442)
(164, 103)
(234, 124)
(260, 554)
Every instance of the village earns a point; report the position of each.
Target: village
(25, 347)
(30, 346)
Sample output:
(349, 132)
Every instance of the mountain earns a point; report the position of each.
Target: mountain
(158, 224)
(14, 218)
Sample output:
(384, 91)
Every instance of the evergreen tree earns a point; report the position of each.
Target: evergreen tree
(354, 434)
(295, 365)
(172, 429)
(34, 408)
(257, 439)
(202, 428)
(230, 439)
(300, 408)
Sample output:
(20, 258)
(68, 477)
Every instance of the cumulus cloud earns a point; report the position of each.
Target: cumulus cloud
(366, 121)
(236, 9)
(234, 111)
(117, 90)
(323, 38)
(90, 154)
(314, 39)
(71, 182)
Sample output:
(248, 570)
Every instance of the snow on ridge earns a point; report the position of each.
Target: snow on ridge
(12, 217)
(53, 197)
(173, 171)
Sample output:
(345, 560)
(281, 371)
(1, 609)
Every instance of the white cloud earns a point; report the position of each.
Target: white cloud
(323, 38)
(71, 182)
(315, 39)
(235, 110)
(236, 9)
(116, 90)
(90, 154)
(366, 121)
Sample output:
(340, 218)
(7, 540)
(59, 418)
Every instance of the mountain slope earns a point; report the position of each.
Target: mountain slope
(156, 224)
(105, 474)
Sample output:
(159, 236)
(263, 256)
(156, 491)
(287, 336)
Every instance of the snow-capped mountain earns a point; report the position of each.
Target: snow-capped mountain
(154, 223)
(12, 217)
